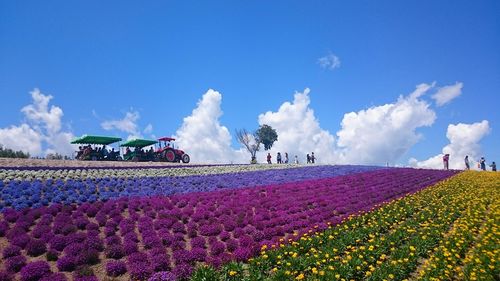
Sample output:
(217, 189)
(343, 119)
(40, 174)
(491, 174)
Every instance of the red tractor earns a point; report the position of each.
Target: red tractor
(167, 152)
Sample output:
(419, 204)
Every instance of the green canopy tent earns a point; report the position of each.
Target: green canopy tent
(86, 139)
(95, 154)
(140, 143)
(138, 154)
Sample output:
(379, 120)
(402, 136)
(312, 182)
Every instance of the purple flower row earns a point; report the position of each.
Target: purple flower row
(34, 194)
(139, 236)
(38, 168)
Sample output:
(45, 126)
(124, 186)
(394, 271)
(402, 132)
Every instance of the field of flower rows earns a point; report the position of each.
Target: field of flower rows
(34, 188)
(122, 224)
(446, 232)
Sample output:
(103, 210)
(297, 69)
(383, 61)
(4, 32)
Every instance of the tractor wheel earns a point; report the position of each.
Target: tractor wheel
(185, 158)
(169, 155)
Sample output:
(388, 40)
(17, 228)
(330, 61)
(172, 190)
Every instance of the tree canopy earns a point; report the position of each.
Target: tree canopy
(9, 153)
(267, 136)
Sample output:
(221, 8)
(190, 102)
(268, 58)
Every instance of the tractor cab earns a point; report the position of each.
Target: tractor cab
(94, 148)
(167, 151)
(134, 150)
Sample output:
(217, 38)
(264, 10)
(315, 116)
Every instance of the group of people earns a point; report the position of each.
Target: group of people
(284, 160)
(98, 153)
(481, 163)
(140, 153)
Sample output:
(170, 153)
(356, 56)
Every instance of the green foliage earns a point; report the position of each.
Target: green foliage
(267, 136)
(56, 156)
(9, 153)
(206, 273)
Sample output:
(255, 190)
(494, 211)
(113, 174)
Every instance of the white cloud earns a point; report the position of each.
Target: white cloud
(41, 129)
(464, 140)
(298, 131)
(329, 61)
(148, 129)
(382, 134)
(204, 138)
(377, 135)
(23, 138)
(39, 112)
(127, 124)
(447, 93)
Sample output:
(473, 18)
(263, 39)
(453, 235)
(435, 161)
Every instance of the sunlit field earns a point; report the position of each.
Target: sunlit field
(248, 222)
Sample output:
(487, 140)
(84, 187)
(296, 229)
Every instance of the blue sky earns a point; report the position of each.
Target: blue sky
(100, 60)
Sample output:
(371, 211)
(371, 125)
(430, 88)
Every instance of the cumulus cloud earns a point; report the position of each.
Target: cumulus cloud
(298, 131)
(23, 138)
(329, 62)
(41, 129)
(447, 93)
(204, 138)
(382, 134)
(376, 135)
(38, 112)
(127, 124)
(464, 140)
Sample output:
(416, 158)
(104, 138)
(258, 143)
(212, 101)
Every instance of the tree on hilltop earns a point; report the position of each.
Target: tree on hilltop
(267, 136)
(250, 142)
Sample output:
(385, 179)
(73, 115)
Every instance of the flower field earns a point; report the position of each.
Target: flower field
(250, 222)
(446, 232)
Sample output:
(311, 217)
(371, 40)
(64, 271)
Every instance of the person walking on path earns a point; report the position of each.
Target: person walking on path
(482, 164)
(269, 158)
(493, 166)
(286, 157)
(308, 158)
(466, 160)
(312, 157)
(446, 161)
(296, 160)
(278, 158)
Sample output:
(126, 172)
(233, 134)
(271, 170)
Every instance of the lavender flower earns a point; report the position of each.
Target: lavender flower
(66, 263)
(11, 251)
(14, 264)
(115, 268)
(162, 276)
(34, 271)
(36, 247)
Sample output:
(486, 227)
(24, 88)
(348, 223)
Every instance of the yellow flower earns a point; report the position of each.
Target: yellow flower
(299, 277)
(232, 273)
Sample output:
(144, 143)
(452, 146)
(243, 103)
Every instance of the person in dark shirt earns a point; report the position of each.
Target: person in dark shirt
(482, 164)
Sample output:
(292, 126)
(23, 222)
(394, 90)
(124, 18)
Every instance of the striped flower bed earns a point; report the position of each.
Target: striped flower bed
(162, 227)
